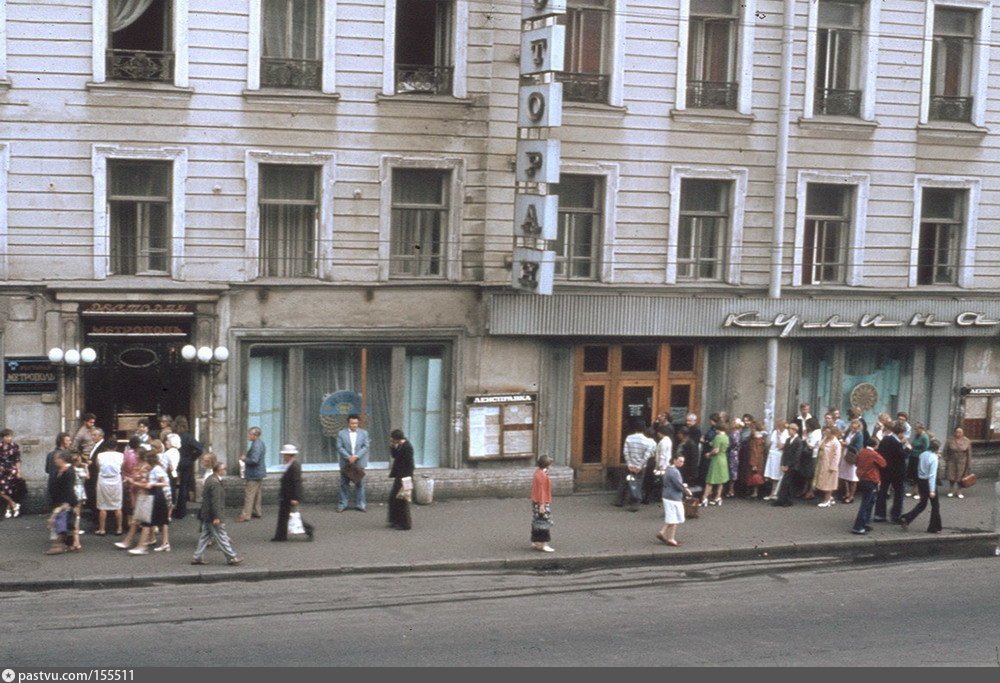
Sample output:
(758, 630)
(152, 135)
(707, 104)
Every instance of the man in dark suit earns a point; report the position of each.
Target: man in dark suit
(213, 502)
(891, 448)
(791, 462)
(290, 493)
(352, 450)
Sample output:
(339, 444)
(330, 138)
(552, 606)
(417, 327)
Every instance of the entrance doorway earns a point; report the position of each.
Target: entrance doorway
(618, 385)
(119, 393)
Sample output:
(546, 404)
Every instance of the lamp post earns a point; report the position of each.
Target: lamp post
(67, 361)
(208, 361)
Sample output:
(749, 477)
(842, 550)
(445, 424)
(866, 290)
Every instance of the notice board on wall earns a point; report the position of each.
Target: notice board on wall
(501, 426)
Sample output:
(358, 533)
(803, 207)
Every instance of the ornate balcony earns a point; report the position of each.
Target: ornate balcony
(580, 87)
(140, 65)
(306, 74)
(419, 78)
(838, 102)
(950, 108)
(712, 95)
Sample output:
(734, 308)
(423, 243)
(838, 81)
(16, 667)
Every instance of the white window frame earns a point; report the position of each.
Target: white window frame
(609, 172)
(180, 40)
(744, 56)
(967, 244)
(4, 205)
(868, 75)
(459, 42)
(861, 182)
(3, 43)
(980, 58)
(737, 204)
(329, 50)
(456, 195)
(327, 162)
(102, 216)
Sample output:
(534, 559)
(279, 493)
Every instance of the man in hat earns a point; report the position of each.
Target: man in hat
(290, 493)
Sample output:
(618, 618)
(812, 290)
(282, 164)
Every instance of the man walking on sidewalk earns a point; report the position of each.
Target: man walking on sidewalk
(891, 448)
(212, 504)
(290, 494)
(869, 470)
(253, 476)
(927, 469)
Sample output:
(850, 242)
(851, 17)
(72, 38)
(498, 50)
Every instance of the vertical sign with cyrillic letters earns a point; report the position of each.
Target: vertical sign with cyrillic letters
(538, 160)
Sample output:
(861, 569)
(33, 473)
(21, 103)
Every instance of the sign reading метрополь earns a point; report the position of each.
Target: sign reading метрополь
(29, 376)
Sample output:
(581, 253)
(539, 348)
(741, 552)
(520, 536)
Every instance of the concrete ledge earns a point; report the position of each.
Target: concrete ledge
(963, 545)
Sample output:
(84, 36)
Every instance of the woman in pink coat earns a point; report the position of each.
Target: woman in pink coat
(827, 465)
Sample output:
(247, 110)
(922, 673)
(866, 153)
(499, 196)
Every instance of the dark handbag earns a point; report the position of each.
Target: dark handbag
(634, 486)
(353, 472)
(20, 491)
(967, 481)
(851, 457)
(692, 507)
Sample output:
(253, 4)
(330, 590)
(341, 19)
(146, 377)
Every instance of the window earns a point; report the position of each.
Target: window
(941, 226)
(838, 59)
(423, 46)
(586, 78)
(424, 409)
(579, 238)
(291, 44)
(419, 222)
(827, 233)
(711, 55)
(140, 40)
(703, 229)
(951, 64)
(139, 201)
(289, 208)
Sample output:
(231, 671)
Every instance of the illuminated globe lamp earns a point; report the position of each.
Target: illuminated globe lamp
(221, 354)
(205, 354)
(55, 355)
(72, 357)
(88, 355)
(189, 352)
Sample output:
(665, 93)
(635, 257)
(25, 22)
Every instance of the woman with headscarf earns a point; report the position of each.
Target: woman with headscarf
(401, 473)
(958, 455)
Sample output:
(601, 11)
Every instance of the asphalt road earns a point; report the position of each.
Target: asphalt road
(819, 612)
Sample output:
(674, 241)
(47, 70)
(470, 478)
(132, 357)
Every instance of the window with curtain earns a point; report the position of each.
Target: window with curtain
(266, 401)
(424, 406)
(424, 54)
(942, 216)
(711, 69)
(419, 222)
(951, 64)
(827, 233)
(579, 238)
(289, 211)
(703, 229)
(139, 205)
(838, 58)
(286, 387)
(588, 36)
(291, 43)
(140, 40)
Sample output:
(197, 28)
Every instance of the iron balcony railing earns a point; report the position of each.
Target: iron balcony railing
(712, 94)
(950, 108)
(140, 65)
(306, 74)
(581, 87)
(838, 102)
(420, 78)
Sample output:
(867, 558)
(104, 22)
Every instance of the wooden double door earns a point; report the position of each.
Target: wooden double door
(617, 386)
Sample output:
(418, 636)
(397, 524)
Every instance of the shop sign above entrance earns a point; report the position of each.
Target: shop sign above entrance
(788, 322)
(128, 308)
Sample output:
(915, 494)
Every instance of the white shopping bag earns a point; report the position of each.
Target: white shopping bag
(295, 525)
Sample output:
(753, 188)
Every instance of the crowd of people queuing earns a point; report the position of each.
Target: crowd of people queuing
(836, 461)
(136, 492)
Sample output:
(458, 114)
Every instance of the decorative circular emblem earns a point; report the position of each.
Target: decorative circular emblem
(138, 357)
(864, 396)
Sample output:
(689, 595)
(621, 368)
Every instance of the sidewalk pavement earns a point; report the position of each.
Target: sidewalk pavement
(494, 534)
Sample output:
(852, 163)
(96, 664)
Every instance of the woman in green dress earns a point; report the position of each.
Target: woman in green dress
(718, 466)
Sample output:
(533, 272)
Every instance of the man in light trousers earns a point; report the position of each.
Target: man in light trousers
(256, 470)
(212, 504)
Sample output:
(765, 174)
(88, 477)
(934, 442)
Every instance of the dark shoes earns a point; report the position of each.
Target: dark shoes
(278, 540)
(198, 560)
(233, 561)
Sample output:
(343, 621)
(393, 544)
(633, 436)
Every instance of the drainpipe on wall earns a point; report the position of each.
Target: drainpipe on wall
(780, 194)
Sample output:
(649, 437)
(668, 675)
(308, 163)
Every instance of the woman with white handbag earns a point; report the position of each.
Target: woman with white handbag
(402, 485)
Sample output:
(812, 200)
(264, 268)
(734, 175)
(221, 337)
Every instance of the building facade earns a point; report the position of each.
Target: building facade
(761, 203)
